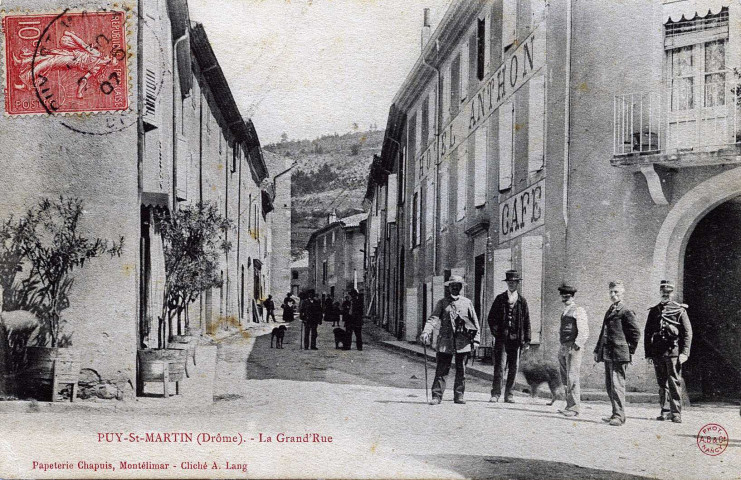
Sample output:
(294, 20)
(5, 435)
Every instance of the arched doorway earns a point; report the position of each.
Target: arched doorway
(712, 283)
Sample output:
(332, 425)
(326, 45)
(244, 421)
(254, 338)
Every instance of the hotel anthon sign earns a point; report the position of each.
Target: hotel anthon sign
(519, 67)
(522, 212)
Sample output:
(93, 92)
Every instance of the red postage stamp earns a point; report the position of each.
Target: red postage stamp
(70, 62)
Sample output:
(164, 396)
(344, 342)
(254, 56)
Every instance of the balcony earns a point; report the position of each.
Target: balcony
(683, 125)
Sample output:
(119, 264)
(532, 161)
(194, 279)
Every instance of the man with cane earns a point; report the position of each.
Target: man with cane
(459, 328)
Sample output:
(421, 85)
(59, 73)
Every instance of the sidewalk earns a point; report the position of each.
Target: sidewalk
(485, 372)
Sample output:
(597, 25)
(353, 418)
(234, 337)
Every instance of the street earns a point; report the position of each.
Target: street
(372, 405)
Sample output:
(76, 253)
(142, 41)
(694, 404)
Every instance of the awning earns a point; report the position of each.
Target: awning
(689, 9)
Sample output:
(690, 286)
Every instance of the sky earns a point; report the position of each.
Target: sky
(314, 67)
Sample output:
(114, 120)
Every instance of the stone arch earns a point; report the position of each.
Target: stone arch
(671, 242)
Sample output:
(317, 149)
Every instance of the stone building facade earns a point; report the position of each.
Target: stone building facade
(549, 138)
(180, 141)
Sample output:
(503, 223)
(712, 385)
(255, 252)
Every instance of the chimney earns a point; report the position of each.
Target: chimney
(426, 29)
(332, 217)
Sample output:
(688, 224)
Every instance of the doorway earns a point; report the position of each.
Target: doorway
(712, 280)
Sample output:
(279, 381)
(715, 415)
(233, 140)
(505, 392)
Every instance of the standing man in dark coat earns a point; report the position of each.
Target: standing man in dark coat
(354, 321)
(313, 318)
(459, 329)
(666, 340)
(616, 345)
(269, 304)
(509, 321)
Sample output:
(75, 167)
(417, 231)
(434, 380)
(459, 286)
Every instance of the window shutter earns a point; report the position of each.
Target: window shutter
(464, 60)
(182, 167)
(509, 23)
(429, 207)
(479, 177)
(532, 283)
(391, 202)
(443, 195)
(506, 151)
(152, 68)
(410, 314)
(462, 177)
(455, 85)
(536, 124)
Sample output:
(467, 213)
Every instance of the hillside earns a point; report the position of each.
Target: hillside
(330, 173)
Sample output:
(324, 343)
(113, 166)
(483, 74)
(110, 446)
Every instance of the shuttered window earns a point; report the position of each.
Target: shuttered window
(462, 177)
(479, 177)
(506, 150)
(536, 124)
(532, 283)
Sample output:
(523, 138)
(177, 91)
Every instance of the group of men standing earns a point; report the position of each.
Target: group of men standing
(314, 311)
(667, 340)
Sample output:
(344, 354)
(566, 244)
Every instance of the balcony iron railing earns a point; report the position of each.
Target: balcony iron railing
(682, 117)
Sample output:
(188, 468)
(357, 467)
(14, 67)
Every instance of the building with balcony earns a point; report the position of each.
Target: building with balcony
(336, 257)
(562, 140)
(180, 140)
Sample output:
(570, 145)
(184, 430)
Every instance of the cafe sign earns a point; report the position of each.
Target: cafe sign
(522, 212)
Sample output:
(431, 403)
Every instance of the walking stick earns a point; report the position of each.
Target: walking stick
(427, 395)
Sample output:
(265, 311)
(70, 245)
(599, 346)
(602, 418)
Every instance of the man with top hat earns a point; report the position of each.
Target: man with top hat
(573, 335)
(667, 339)
(618, 340)
(459, 329)
(509, 321)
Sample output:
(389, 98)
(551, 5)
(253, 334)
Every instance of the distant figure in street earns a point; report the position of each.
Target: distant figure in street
(667, 340)
(333, 314)
(269, 304)
(616, 345)
(288, 308)
(312, 319)
(354, 321)
(346, 307)
(509, 321)
(573, 335)
(458, 324)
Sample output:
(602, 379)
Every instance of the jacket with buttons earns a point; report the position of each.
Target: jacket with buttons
(619, 336)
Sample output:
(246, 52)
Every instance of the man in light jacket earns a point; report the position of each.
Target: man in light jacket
(458, 324)
(573, 333)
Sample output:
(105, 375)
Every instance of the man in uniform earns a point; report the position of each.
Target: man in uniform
(573, 335)
(459, 329)
(509, 321)
(313, 318)
(667, 339)
(617, 343)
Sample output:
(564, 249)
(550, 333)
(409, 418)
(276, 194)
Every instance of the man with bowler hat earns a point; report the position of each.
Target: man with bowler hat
(616, 345)
(573, 335)
(509, 321)
(666, 340)
(458, 325)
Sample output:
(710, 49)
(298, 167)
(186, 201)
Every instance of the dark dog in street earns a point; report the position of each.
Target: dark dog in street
(277, 335)
(339, 337)
(537, 371)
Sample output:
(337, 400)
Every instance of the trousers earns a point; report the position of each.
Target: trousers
(310, 335)
(443, 368)
(358, 330)
(615, 386)
(570, 363)
(506, 354)
(669, 377)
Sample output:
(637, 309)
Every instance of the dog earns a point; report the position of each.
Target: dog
(339, 338)
(278, 333)
(537, 371)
